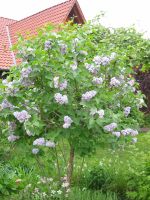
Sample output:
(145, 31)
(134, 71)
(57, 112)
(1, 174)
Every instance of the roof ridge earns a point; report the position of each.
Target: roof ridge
(41, 11)
(8, 18)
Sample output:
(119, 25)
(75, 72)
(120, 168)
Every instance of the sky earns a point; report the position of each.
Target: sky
(118, 13)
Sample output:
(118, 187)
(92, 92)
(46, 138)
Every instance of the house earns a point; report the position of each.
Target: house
(9, 28)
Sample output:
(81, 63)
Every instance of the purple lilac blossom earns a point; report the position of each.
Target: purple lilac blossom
(12, 126)
(63, 49)
(88, 95)
(6, 104)
(50, 144)
(91, 68)
(39, 142)
(127, 111)
(97, 81)
(97, 60)
(117, 133)
(48, 45)
(61, 99)
(101, 113)
(63, 86)
(110, 127)
(115, 82)
(25, 72)
(35, 151)
(67, 122)
(105, 60)
(13, 138)
(56, 82)
(22, 116)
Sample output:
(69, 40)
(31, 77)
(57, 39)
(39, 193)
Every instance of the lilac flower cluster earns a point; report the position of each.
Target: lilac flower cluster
(63, 49)
(22, 116)
(43, 142)
(67, 122)
(110, 127)
(104, 60)
(10, 89)
(6, 104)
(129, 131)
(92, 68)
(116, 133)
(89, 95)
(127, 111)
(115, 82)
(35, 151)
(101, 113)
(61, 86)
(61, 99)
(97, 81)
(48, 45)
(12, 126)
(13, 138)
(25, 72)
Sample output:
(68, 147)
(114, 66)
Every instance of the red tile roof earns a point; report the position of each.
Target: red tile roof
(55, 15)
(6, 58)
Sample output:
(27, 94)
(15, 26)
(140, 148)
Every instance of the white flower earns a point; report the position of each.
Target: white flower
(59, 192)
(101, 113)
(65, 185)
(74, 66)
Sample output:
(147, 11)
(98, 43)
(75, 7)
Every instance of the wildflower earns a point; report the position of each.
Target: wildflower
(127, 111)
(89, 95)
(97, 81)
(22, 116)
(61, 99)
(110, 127)
(48, 45)
(39, 142)
(117, 133)
(25, 72)
(67, 122)
(59, 192)
(13, 138)
(134, 132)
(50, 144)
(35, 151)
(115, 82)
(125, 132)
(65, 184)
(112, 56)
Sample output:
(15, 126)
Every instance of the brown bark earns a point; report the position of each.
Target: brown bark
(70, 166)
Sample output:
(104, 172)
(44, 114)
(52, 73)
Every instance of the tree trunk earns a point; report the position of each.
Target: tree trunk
(70, 166)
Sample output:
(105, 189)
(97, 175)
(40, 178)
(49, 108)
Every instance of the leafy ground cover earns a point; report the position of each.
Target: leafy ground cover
(119, 171)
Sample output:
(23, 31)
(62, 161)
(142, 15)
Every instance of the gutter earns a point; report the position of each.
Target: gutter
(10, 45)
